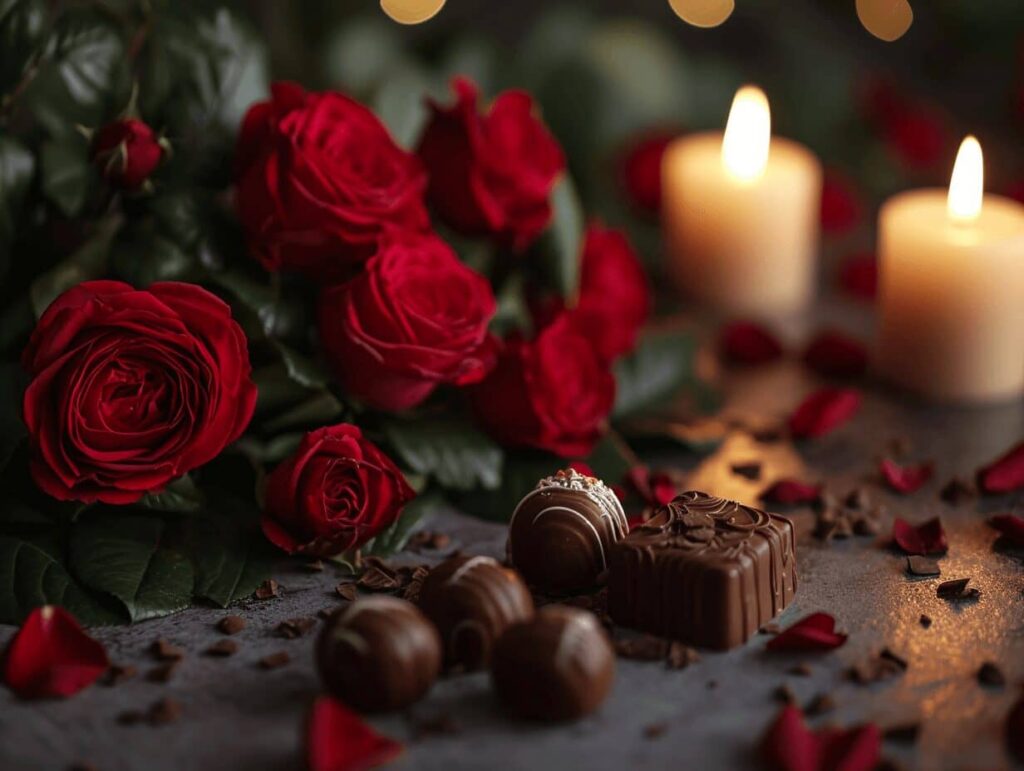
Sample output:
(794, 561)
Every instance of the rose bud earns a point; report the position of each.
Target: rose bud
(553, 393)
(131, 388)
(491, 174)
(639, 170)
(318, 178)
(334, 494)
(416, 317)
(126, 152)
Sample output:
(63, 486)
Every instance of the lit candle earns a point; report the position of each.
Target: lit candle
(740, 214)
(951, 288)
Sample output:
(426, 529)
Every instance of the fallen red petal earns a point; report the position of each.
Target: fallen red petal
(858, 277)
(337, 739)
(744, 342)
(823, 411)
(50, 655)
(853, 749)
(789, 745)
(835, 354)
(905, 479)
(1011, 526)
(816, 632)
(926, 538)
(791, 491)
(1004, 474)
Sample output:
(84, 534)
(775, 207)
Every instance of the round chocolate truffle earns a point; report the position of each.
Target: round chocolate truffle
(378, 654)
(558, 666)
(472, 600)
(561, 532)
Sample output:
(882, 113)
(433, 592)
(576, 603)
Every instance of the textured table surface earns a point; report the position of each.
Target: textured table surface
(236, 715)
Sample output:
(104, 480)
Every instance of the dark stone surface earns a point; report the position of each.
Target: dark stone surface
(237, 715)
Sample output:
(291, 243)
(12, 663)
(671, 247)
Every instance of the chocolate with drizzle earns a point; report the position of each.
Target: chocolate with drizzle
(703, 570)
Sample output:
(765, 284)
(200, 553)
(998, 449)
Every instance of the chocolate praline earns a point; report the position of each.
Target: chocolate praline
(561, 532)
(378, 654)
(471, 601)
(557, 666)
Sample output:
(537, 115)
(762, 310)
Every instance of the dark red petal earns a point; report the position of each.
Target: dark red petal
(841, 208)
(337, 739)
(791, 491)
(1011, 526)
(581, 467)
(745, 342)
(834, 354)
(663, 489)
(854, 749)
(656, 488)
(788, 744)
(816, 632)
(1015, 730)
(858, 276)
(905, 479)
(1005, 473)
(823, 411)
(926, 538)
(50, 655)
(632, 522)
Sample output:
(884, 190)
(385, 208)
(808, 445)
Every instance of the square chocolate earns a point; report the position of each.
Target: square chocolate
(703, 570)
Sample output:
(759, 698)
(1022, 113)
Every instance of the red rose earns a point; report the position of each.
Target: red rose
(841, 208)
(415, 318)
(126, 152)
(491, 174)
(552, 393)
(130, 389)
(614, 297)
(334, 494)
(318, 178)
(919, 138)
(640, 170)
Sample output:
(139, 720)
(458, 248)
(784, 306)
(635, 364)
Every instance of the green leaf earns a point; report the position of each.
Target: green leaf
(359, 54)
(181, 495)
(400, 102)
(610, 459)
(89, 262)
(240, 69)
(393, 539)
(21, 26)
(12, 428)
(31, 575)
(560, 246)
(520, 473)
(151, 258)
(320, 409)
(231, 556)
(661, 364)
(513, 311)
(448, 448)
(302, 369)
(17, 165)
(272, 451)
(67, 174)
(122, 554)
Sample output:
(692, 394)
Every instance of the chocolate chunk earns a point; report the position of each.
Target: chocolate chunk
(267, 590)
(131, 717)
(441, 725)
(714, 593)
(163, 673)
(750, 471)
(316, 566)
(990, 674)
(925, 621)
(820, 704)
(680, 656)
(958, 490)
(866, 526)
(784, 694)
(900, 446)
(275, 660)
(843, 528)
(881, 667)
(379, 653)
(231, 624)
(957, 589)
(164, 711)
(222, 647)
(557, 666)
(655, 730)
(903, 732)
(858, 498)
(119, 673)
(803, 669)
(561, 531)
(472, 601)
(347, 590)
(922, 566)
(711, 685)
(295, 627)
(165, 651)
(429, 540)
(376, 579)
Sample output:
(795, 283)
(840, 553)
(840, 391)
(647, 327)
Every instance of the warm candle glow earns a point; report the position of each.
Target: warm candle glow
(748, 133)
(967, 183)
(411, 11)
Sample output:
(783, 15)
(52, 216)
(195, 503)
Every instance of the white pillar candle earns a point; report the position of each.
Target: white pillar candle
(740, 215)
(951, 289)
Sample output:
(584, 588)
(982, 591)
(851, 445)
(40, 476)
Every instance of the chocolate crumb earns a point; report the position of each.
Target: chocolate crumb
(882, 667)
(347, 590)
(275, 660)
(131, 717)
(784, 694)
(165, 651)
(296, 627)
(231, 624)
(267, 590)
(680, 656)
(440, 725)
(163, 672)
(326, 613)
(956, 589)
(858, 498)
(820, 704)
(866, 526)
(316, 566)
(903, 732)
(712, 684)
(770, 628)
(164, 711)
(427, 539)
(223, 647)
(990, 674)
(843, 528)
(655, 730)
(957, 490)
(922, 566)
(900, 445)
(925, 621)
(750, 471)
(376, 579)
(803, 669)
(119, 673)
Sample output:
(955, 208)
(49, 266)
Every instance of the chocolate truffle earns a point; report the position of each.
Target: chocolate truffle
(471, 601)
(561, 532)
(379, 653)
(703, 570)
(557, 666)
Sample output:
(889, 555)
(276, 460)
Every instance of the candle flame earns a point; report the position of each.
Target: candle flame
(748, 133)
(967, 183)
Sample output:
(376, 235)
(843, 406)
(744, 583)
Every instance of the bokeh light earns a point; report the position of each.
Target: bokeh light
(411, 11)
(703, 13)
(887, 20)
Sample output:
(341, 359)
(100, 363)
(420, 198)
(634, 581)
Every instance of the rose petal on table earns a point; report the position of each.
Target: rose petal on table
(50, 655)
(1011, 526)
(338, 739)
(823, 411)
(905, 479)
(791, 491)
(852, 749)
(926, 538)
(1004, 474)
(1015, 729)
(788, 744)
(746, 342)
(858, 276)
(816, 632)
(835, 354)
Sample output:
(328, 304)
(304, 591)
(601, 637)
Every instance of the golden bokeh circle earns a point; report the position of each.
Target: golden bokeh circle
(411, 11)
(887, 20)
(703, 13)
